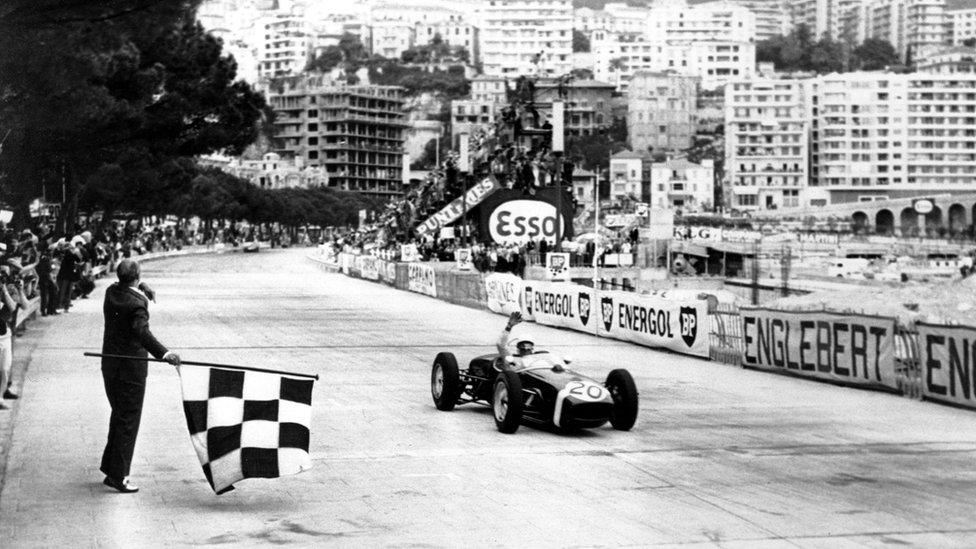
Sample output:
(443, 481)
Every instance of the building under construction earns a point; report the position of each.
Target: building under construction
(356, 133)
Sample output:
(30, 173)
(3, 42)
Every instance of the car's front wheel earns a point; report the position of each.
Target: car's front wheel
(624, 392)
(506, 401)
(445, 382)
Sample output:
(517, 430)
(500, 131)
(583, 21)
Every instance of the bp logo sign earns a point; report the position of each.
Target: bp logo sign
(606, 307)
(584, 308)
(688, 317)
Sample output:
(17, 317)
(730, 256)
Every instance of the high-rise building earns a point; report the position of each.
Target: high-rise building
(772, 17)
(961, 24)
(662, 111)
(767, 138)
(355, 132)
(586, 103)
(823, 17)
(916, 28)
(286, 46)
(883, 135)
(526, 37)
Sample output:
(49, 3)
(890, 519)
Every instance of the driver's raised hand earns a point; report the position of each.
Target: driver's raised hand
(514, 319)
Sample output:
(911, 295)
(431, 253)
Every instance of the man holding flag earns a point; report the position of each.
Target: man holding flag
(127, 334)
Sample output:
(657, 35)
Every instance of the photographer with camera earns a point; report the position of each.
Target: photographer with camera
(11, 296)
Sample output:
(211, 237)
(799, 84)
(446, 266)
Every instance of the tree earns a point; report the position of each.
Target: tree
(116, 96)
(592, 151)
(581, 42)
(874, 54)
(349, 52)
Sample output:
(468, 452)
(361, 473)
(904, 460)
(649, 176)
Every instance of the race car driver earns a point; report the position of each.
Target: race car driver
(523, 347)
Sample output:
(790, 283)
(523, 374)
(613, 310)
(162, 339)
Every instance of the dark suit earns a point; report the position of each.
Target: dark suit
(126, 333)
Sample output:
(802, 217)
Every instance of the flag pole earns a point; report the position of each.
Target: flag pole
(208, 364)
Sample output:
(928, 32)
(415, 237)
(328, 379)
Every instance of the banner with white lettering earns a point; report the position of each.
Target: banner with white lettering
(847, 348)
(947, 356)
(680, 325)
(421, 279)
(368, 267)
(528, 295)
(456, 209)
(504, 292)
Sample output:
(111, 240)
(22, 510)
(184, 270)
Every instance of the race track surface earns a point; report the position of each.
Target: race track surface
(720, 457)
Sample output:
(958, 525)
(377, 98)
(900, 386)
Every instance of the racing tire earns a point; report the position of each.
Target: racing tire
(445, 382)
(624, 392)
(506, 401)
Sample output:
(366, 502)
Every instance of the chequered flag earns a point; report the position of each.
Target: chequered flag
(247, 424)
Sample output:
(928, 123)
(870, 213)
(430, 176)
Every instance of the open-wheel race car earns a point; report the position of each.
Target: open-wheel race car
(537, 388)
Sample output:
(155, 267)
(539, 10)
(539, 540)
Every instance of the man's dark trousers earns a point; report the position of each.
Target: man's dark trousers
(125, 386)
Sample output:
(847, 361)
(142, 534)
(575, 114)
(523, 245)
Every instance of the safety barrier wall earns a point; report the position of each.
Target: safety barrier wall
(920, 361)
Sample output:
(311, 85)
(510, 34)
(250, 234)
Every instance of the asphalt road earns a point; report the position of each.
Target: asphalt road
(720, 457)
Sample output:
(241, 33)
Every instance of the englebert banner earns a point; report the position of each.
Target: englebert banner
(421, 279)
(504, 292)
(947, 355)
(848, 348)
(677, 325)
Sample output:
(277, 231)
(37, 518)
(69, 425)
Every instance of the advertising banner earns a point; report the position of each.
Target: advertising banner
(504, 292)
(455, 209)
(464, 259)
(696, 233)
(847, 348)
(421, 279)
(557, 266)
(680, 325)
(947, 355)
(513, 217)
(564, 305)
(388, 272)
(368, 267)
(409, 252)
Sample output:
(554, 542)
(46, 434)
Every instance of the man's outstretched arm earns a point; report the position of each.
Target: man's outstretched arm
(502, 344)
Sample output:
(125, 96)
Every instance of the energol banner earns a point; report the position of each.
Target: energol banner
(848, 348)
(504, 292)
(421, 279)
(947, 355)
(678, 325)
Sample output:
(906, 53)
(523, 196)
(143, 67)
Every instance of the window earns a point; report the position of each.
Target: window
(313, 127)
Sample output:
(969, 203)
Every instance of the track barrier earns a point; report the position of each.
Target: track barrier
(920, 361)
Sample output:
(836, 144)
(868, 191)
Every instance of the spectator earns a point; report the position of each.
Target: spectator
(47, 286)
(68, 272)
(8, 311)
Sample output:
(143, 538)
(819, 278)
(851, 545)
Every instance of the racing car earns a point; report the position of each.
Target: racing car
(537, 388)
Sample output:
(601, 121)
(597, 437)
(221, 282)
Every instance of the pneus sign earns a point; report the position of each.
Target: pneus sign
(679, 325)
(510, 217)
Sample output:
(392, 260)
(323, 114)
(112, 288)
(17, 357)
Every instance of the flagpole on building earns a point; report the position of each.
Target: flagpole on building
(208, 364)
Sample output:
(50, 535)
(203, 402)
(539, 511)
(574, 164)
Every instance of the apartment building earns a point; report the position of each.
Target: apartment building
(767, 143)
(489, 95)
(772, 17)
(356, 133)
(271, 171)
(715, 41)
(916, 28)
(587, 104)
(630, 175)
(823, 17)
(526, 37)
(882, 135)
(389, 38)
(961, 24)
(285, 47)
(662, 113)
(681, 184)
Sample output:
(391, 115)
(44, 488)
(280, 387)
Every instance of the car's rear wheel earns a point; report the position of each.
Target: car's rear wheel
(506, 401)
(445, 382)
(624, 392)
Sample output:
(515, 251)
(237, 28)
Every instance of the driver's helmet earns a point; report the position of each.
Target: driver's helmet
(525, 347)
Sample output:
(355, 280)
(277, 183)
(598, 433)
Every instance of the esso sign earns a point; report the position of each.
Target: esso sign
(521, 221)
(924, 206)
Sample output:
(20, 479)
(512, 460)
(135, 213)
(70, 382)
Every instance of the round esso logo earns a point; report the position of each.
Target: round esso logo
(924, 206)
(521, 221)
